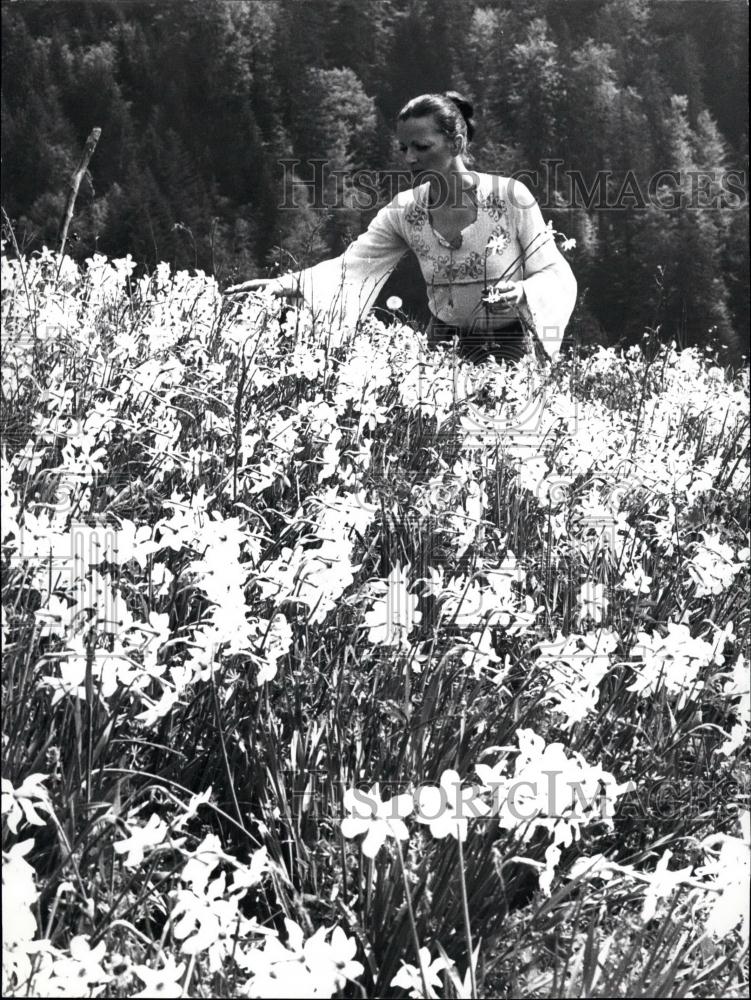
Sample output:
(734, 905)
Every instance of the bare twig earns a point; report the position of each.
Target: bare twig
(75, 183)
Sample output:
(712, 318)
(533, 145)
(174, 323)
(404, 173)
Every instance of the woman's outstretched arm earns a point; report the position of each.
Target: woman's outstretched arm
(342, 290)
(284, 285)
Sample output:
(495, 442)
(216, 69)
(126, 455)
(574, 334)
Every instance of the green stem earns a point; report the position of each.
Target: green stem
(465, 909)
(412, 923)
(189, 974)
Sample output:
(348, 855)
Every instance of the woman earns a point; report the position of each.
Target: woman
(493, 272)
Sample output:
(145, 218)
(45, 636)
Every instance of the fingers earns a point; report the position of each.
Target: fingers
(504, 301)
(248, 286)
(502, 304)
(503, 297)
(276, 286)
(509, 292)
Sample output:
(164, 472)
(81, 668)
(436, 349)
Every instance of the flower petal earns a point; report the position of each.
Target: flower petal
(375, 838)
(401, 805)
(398, 829)
(352, 826)
(430, 803)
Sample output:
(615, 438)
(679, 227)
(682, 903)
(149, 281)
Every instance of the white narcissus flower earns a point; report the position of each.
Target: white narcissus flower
(22, 803)
(70, 681)
(134, 541)
(674, 661)
(160, 982)
(142, 838)
(712, 565)
(575, 665)
(206, 922)
(111, 670)
(313, 968)
(332, 963)
(376, 818)
(728, 868)
(738, 691)
(156, 710)
(156, 632)
(249, 875)
(395, 614)
(494, 779)
(662, 883)
(636, 581)
(19, 923)
(204, 859)
(82, 968)
(409, 977)
(54, 615)
(447, 808)
(345, 949)
(283, 981)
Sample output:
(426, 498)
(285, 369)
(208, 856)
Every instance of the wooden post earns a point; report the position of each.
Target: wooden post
(75, 183)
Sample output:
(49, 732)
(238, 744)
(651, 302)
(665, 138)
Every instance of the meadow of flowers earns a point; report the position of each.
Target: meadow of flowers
(337, 666)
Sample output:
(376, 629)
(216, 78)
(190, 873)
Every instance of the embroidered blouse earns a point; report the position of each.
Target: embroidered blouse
(508, 239)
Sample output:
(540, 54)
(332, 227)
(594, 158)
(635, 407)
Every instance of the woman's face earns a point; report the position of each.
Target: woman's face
(425, 148)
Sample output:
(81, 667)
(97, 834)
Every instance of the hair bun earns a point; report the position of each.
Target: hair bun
(465, 107)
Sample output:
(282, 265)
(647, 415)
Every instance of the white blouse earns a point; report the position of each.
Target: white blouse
(508, 240)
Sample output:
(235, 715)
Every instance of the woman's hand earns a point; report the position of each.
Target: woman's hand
(504, 296)
(250, 286)
(287, 284)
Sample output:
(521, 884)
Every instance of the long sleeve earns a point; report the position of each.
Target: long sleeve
(342, 290)
(549, 283)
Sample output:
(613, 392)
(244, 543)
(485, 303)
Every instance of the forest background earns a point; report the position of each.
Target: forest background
(628, 120)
